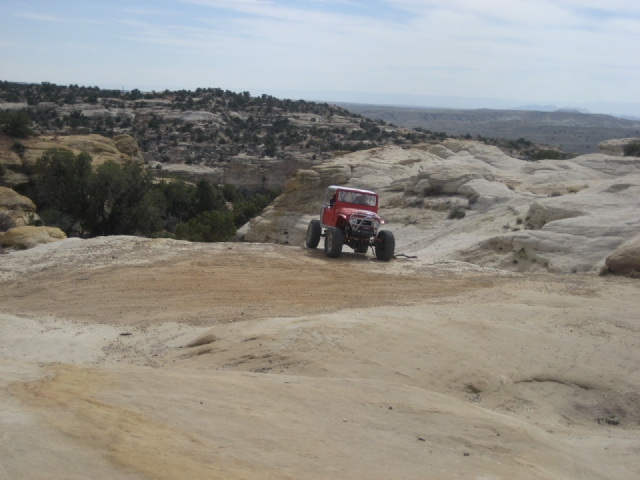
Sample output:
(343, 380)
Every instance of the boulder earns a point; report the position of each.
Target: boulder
(12, 179)
(626, 259)
(20, 208)
(128, 145)
(486, 193)
(24, 237)
(615, 147)
(441, 151)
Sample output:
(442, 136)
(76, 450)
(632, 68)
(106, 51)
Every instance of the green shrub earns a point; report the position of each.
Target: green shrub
(213, 226)
(548, 154)
(18, 147)
(632, 149)
(456, 213)
(62, 182)
(230, 193)
(433, 190)
(122, 202)
(113, 200)
(15, 123)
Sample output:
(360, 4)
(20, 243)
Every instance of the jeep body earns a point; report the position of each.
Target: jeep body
(349, 216)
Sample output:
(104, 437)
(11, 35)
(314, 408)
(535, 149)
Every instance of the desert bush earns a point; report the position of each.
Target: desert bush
(62, 183)
(15, 123)
(207, 198)
(6, 222)
(433, 191)
(54, 218)
(230, 193)
(632, 149)
(213, 226)
(244, 211)
(456, 213)
(19, 148)
(548, 154)
(113, 200)
(122, 202)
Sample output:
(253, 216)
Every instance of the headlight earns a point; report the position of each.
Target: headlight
(376, 224)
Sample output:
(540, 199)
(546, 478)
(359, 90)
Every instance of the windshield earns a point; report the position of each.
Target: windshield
(329, 197)
(357, 198)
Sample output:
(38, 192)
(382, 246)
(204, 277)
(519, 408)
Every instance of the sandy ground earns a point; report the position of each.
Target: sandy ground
(152, 359)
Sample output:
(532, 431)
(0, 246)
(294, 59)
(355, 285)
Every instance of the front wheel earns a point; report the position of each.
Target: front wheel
(385, 245)
(333, 242)
(314, 231)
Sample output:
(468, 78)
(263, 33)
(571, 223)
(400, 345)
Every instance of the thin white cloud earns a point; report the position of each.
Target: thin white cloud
(537, 50)
(152, 12)
(56, 19)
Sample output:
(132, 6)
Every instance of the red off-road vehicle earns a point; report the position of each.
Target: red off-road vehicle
(349, 217)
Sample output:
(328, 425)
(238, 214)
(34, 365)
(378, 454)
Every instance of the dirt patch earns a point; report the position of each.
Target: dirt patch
(223, 286)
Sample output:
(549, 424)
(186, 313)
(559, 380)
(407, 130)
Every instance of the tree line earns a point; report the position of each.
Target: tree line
(124, 200)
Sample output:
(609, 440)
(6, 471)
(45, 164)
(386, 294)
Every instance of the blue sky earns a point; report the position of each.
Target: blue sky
(562, 51)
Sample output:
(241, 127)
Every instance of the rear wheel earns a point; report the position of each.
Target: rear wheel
(385, 245)
(314, 231)
(333, 242)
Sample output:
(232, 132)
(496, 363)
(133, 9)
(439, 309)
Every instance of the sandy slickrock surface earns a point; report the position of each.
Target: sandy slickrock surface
(127, 358)
(551, 215)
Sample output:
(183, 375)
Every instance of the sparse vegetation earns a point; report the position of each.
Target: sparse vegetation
(213, 226)
(632, 149)
(456, 213)
(433, 191)
(15, 123)
(548, 154)
(117, 200)
(18, 147)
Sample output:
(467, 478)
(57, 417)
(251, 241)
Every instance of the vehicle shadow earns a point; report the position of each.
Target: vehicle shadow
(347, 255)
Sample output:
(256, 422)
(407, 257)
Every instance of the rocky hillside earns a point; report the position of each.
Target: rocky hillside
(252, 142)
(255, 143)
(556, 215)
